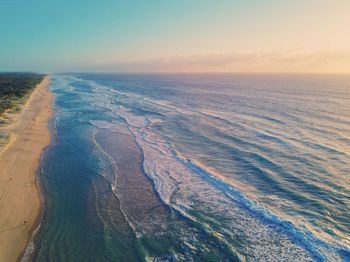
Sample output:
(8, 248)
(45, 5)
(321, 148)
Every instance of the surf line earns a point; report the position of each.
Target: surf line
(306, 239)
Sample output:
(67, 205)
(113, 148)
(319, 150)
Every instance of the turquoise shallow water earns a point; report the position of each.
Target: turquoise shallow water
(197, 168)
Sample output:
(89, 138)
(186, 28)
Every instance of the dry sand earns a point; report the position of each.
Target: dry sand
(20, 202)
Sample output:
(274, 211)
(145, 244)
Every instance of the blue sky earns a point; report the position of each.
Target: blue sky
(181, 35)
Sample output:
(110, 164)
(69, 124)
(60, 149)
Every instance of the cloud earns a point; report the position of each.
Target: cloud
(296, 60)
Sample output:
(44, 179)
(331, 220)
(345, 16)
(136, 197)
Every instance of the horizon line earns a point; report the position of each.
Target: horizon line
(175, 72)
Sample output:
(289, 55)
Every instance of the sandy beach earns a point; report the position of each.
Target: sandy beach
(20, 202)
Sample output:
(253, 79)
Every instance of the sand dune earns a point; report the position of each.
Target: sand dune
(20, 202)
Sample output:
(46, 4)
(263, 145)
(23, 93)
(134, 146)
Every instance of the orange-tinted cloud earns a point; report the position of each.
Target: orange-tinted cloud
(288, 62)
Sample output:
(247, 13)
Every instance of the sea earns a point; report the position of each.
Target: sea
(197, 167)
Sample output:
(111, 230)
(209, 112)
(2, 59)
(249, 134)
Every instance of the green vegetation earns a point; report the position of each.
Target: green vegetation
(4, 139)
(14, 87)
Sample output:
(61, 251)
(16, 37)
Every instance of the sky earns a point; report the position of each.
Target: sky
(294, 36)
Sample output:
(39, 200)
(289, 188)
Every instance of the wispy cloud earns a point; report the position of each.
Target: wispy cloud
(296, 60)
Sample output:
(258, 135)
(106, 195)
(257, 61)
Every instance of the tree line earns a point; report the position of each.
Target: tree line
(14, 86)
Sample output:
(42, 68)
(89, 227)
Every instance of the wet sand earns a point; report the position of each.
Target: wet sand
(20, 201)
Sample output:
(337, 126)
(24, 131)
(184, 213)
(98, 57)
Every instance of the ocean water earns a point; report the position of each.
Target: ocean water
(197, 168)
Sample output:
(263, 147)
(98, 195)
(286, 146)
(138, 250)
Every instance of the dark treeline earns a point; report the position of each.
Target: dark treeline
(14, 86)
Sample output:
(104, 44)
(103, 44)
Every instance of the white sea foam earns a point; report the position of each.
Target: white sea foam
(182, 188)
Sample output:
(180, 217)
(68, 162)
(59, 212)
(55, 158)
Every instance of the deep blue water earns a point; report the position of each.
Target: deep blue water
(197, 168)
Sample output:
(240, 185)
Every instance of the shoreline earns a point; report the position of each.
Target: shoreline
(28, 254)
(21, 203)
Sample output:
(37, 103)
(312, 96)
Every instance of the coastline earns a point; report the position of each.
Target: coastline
(20, 198)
